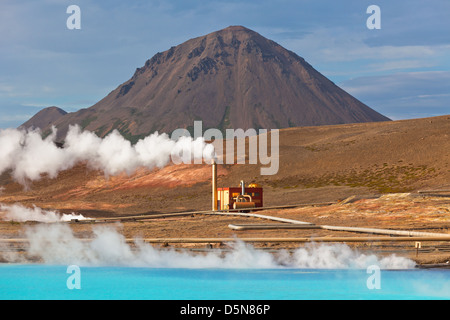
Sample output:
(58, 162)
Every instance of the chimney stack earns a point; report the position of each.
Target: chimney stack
(214, 185)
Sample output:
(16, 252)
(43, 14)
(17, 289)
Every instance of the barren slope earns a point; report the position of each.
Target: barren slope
(324, 163)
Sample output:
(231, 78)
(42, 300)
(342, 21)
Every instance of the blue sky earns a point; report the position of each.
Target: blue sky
(401, 70)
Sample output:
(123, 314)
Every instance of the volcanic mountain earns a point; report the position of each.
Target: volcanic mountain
(44, 118)
(232, 78)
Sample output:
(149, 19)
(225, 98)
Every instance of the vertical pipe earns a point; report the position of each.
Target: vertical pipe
(242, 187)
(214, 185)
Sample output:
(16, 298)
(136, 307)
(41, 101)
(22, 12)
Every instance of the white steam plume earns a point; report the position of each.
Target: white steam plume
(56, 244)
(29, 156)
(20, 213)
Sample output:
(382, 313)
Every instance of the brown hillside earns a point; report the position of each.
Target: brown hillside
(323, 163)
(44, 118)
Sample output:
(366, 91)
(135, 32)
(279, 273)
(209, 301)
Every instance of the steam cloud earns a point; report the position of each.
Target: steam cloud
(29, 156)
(20, 213)
(56, 244)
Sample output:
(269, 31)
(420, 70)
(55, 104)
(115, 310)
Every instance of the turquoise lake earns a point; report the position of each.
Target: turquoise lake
(49, 282)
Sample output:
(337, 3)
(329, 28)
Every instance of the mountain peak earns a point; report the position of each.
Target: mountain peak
(231, 78)
(236, 28)
(44, 118)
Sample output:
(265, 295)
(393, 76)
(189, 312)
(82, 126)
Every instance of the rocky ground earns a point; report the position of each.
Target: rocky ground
(404, 211)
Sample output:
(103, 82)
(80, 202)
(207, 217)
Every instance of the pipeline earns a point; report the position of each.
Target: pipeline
(255, 215)
(386, 231)
(335, 228)
(298, 239)
(433, 191)
(272, 226)
(302, 239)
(214, 185)
(188, 213)
(350, 229)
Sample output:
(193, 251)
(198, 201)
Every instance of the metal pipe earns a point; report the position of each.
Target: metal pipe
(386, 231)
(272, 226)
(354, 229)
(187, 213)
(255, 215)
(241, 198)
(433, 191)
(242, 187)
(349, 229)
(214, 185)
(303, 239)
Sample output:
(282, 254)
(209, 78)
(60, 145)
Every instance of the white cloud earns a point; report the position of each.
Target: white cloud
(404, 95)
(400, 65)
(336, 46)
(5, 88)
(15, 117)
(432, 82)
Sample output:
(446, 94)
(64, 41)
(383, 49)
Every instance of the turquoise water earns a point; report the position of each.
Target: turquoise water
(30, 282)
